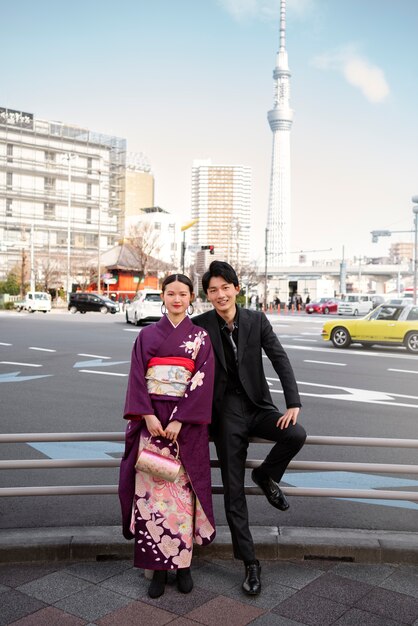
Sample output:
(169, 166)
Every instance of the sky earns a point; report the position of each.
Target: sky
(192, 79)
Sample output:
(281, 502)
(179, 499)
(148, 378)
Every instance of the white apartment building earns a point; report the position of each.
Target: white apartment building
(221, 201)
(57, 180)
(160, 231)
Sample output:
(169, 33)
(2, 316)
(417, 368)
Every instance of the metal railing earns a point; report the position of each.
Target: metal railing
(216, 489)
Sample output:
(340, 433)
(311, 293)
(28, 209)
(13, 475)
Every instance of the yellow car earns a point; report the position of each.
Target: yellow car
(387, 324)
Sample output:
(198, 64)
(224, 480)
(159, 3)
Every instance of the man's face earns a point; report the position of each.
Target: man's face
(222, 294)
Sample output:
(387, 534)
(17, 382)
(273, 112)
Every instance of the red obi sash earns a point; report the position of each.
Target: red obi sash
(173, 360)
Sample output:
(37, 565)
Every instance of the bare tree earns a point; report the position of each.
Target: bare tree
(144, 242)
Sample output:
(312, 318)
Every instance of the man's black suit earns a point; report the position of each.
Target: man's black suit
(248, 411)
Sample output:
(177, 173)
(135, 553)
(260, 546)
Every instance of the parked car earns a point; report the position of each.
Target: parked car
(323, 305)
(84, 302)
(356, 304)
(34, 301)
(146, 307)
(388, 324)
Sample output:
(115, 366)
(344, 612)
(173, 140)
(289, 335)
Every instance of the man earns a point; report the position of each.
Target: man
(243, 408)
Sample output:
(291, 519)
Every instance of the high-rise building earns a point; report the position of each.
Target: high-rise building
(401, 252)
(61, 194)
(221, 201)
(139, 188)
(280, 119)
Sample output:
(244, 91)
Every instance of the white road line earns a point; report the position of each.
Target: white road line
(325, 362)
(5, 344)
(102, 373)
(95, 356)
(42, 349)
(392, 369)
(399, 355)
(314, 334)
(25, 364)
(304, 339)
(132, 330)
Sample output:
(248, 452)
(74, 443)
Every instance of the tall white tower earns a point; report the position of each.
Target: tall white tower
(280, 119)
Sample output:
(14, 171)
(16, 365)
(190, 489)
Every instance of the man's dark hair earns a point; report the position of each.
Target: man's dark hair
(222, 269)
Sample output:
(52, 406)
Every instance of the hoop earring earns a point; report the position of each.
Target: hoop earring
(192, 311)
(163, 309)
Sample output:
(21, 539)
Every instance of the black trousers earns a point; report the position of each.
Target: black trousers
(239, 421)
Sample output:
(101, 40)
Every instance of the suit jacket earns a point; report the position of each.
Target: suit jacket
(255, 334)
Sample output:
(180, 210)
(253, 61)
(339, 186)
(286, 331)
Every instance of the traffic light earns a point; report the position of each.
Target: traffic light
(210, 248)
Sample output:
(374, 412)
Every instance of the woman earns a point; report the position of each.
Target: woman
(168, 403)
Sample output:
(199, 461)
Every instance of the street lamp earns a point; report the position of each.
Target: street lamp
(415, 212)
(183, 243)
(69, 156)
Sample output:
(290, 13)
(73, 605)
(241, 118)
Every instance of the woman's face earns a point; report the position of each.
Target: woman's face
(176, 298)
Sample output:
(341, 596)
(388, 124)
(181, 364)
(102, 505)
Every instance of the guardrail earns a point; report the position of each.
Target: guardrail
(216, 489)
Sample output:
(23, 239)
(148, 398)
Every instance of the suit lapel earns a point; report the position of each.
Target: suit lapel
(244, 327)
(215, 337)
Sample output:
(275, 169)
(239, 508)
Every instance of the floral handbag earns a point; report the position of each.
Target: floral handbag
(157, 464)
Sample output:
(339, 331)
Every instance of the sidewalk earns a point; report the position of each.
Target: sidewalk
(310, 576)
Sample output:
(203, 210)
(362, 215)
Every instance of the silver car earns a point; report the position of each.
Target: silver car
(146, 307)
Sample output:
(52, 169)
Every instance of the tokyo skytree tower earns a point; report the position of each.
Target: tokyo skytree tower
(280, 119)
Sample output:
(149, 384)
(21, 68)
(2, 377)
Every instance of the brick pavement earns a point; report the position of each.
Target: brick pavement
(112, 592)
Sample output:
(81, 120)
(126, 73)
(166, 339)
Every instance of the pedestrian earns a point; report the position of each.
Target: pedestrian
(243, 407)
(308, 299)
(277, 302)
(168, 404)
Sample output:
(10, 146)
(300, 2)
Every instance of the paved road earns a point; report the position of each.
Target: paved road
(61, 373)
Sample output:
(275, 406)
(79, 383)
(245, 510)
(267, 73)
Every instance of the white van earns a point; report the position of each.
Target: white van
(356, 304)
(35, 301)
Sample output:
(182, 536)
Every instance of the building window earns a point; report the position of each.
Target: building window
(88, 191)
(157, 225)
(9, 180)
(9, 152)
(49, 183)
(49, 211)
(49, 157)
(61, 238)
(9, 207)
(88, 216)
(89, 165)
(91, 240)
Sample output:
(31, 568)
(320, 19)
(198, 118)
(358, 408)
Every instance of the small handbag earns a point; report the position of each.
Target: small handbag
(158, 465)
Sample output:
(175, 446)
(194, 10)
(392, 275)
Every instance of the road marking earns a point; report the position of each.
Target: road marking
(132, 330)
(353, 480)
(325, 362)
(25, 364)
(314, 334)
(14, 377)
(304, 339)
(360, 352)
(42, 349)
(98, 363)
(79, 449)
(5, 344)
(103, 373)
(94, 356)
(392, 369)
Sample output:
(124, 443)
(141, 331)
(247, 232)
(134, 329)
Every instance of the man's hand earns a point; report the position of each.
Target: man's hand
(154, 426)
(290, 416)
(172, 430)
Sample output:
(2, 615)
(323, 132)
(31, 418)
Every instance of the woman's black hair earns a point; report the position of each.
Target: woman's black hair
(220, 268)
(181, 278)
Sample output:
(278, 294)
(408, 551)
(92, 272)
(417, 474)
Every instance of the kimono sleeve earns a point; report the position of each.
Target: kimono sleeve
(137, 402)
(195, 407)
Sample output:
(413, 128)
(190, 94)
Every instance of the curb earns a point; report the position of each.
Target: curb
(273, 543)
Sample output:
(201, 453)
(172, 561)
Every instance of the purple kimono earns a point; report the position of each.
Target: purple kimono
(166, 517)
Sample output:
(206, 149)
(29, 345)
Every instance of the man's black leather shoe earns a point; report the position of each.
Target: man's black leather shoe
(271, 490)
(252, 582)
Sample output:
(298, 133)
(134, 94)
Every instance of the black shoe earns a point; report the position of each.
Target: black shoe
(184, 580)
(271, 490)
(157, 586)
(252, 582)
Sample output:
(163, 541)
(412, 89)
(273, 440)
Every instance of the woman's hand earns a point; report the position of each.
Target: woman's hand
(172, 430)
(154, 425)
